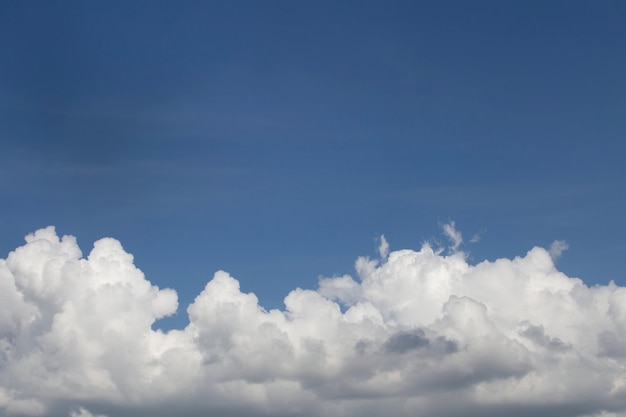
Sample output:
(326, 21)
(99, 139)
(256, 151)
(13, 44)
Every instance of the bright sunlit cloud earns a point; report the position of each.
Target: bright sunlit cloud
(413, 333)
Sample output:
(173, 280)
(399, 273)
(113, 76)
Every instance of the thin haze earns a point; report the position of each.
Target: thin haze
(469, 156)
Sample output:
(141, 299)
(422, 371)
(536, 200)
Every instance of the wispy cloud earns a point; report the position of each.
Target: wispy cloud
(383, 249)
(557, 248)
(455, 236)
(509, 337)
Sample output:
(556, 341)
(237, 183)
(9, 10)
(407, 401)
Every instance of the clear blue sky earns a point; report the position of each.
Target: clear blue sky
(278, 140)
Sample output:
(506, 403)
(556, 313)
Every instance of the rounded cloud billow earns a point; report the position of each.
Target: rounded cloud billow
(416, 333)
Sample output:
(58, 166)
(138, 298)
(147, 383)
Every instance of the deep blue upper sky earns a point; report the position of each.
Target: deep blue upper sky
(278, 139)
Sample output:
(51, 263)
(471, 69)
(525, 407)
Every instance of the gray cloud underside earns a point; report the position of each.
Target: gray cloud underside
(415, 333)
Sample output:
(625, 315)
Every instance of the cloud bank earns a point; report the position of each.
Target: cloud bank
(415, 333)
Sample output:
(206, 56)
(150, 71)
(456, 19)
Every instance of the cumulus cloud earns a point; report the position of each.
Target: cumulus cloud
(414, 333)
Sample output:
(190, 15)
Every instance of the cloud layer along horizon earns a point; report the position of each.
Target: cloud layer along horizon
(414, 333)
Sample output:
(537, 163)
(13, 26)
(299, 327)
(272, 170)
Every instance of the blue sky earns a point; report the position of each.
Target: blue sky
(279, 140)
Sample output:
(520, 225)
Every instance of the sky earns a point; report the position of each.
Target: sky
(294, 208)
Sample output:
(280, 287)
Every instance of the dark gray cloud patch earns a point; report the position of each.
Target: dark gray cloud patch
(416, 340)
(403, 342)
(447, 346)
(363, 347)
(611, 345)
(537, 335)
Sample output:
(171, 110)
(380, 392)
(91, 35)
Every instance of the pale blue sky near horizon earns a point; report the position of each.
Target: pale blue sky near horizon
(278, 140)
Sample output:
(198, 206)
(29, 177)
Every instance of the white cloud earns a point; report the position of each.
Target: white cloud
(383, 249)
(82, 412)
(511, 337)
(455, 236)
(557, 248)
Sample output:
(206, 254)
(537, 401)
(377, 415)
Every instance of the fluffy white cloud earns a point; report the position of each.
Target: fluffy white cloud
(416, 333)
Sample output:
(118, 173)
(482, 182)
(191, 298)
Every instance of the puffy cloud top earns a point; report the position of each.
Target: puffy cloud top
(415, 333)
